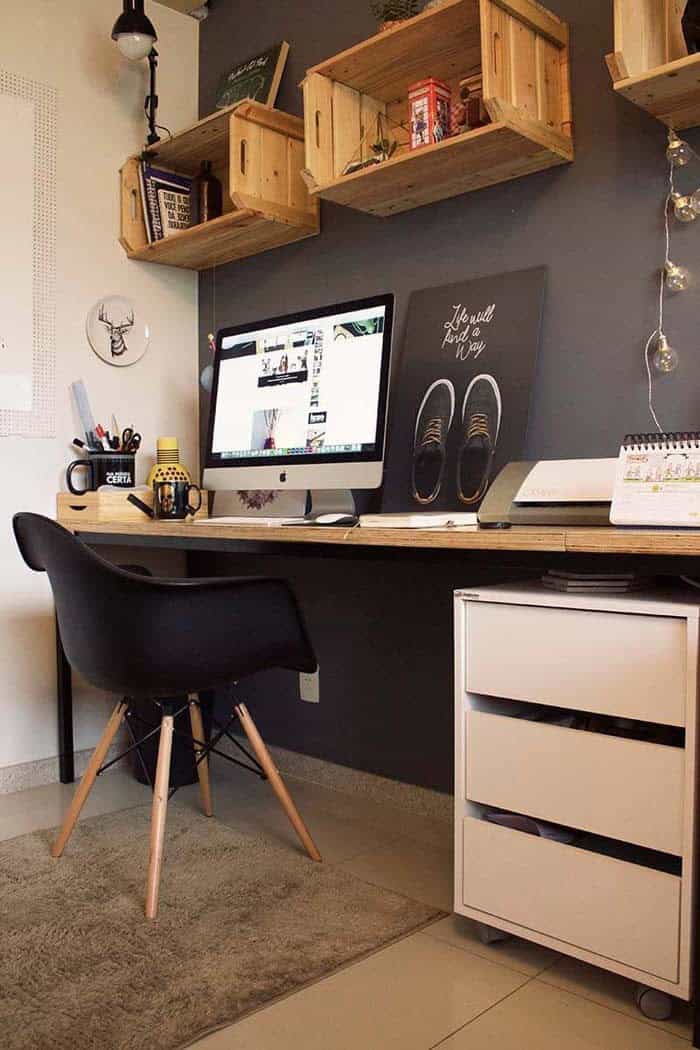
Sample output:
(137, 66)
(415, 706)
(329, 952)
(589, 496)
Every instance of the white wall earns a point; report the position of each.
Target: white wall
(100, 122)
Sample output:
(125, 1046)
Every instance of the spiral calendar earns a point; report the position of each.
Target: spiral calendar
(658, 480)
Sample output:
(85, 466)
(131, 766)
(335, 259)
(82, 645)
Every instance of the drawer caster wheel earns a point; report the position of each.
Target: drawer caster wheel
(490, 935)
(656, 1005)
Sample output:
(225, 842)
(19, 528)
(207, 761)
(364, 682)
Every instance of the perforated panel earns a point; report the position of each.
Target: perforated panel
(39, 421)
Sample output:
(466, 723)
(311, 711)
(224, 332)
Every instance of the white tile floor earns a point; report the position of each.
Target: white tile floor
(440, 987)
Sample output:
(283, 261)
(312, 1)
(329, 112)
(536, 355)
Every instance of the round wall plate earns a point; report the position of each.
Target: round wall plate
(116, 331)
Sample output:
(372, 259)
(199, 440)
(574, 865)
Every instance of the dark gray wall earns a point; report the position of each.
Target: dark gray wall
(596, 224)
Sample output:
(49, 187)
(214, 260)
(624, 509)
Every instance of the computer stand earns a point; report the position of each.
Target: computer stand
(329, 501)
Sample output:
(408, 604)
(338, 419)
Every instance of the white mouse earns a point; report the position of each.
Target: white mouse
(335, 519)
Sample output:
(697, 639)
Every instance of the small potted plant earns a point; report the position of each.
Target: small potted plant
(391, 12)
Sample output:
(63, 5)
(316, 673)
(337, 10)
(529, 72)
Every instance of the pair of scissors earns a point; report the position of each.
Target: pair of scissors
(131, 440)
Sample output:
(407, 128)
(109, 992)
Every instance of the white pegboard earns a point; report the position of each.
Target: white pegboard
(40, 420)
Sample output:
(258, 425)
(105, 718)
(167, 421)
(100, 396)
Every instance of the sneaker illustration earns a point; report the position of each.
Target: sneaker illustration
(481, 422)
(433, 421)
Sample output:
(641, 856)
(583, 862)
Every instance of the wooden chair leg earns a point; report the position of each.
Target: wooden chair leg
(85, 785)
(278, 786)
(158, 815)
(202, 764)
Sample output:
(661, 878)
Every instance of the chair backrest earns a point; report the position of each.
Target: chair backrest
(136, 635)
(93, 599)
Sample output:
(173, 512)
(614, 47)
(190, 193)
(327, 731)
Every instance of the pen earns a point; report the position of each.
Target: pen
(78, 443)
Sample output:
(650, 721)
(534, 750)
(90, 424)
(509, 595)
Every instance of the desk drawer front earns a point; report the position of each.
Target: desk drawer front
(624, 789)
(617, 910)
(628, 665)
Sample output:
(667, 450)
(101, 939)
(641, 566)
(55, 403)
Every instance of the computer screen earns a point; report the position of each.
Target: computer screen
(306, 388)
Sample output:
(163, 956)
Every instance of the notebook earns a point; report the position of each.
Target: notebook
(658, 480)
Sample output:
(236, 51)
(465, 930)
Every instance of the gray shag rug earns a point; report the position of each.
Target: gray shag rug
(241, 922)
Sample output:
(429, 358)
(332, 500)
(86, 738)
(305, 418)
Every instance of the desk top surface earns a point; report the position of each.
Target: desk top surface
(591, 540)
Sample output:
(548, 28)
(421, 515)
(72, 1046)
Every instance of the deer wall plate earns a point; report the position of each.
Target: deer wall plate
(116, 331)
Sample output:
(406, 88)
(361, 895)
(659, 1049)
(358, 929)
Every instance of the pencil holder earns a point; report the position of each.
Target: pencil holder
(104, 468)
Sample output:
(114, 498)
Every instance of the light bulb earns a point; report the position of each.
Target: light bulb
(683, 208)
(676, 277)
(664, 358)
(678, 151)
(135, 46)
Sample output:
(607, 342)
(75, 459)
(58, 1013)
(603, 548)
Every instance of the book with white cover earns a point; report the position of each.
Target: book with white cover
(658, 480)
(431, 520)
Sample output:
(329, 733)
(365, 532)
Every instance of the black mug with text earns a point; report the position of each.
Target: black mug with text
(104, 468)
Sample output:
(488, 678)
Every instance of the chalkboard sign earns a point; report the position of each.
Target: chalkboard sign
(257, 78)
(460, 405)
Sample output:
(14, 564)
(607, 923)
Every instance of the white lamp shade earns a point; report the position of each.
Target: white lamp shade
(135, 46)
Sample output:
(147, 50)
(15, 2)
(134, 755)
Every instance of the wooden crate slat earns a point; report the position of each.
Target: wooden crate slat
(523, 61)
(233, 236)
(318, 126)
(548, 77)
(670, 93)
(346, 123)
(480, 158)
(445, 39)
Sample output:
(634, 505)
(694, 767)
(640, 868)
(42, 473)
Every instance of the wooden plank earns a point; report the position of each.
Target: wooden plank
(318, 127)
(275, 119)
(497, 69)
(589, 540)
(548, 82)
(478, 158)
(675, 41)
(517, 538)
(539, 19)
(132, 231)
(347, 131)
(640, 33)
(523, 65)
(617, 67)
(274, 179)
(443, 42)
(245, 177)
(297, 193)
(670, 93)
(234, 235)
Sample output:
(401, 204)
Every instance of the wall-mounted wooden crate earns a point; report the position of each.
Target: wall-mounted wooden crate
(258, 155)
(520, 50)
(651, 66)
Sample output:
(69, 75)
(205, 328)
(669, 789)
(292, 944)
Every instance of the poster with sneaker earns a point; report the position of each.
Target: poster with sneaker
(460, 403)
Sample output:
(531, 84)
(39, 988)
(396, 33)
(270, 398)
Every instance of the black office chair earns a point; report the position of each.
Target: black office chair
(166, 640)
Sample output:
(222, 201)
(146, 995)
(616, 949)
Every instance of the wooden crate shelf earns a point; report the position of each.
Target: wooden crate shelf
(520, 50)
(258, 155)
(651, 66)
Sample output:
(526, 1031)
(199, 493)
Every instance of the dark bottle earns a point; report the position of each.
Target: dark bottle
(206, 199)
(691, 26)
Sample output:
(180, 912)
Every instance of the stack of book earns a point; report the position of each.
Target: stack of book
(166, 201)
(593, 582)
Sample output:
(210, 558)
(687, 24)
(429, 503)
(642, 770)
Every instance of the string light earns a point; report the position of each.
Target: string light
(677, 277)
(678, 152)
(665, 358)
(658, 352)
(683, 207)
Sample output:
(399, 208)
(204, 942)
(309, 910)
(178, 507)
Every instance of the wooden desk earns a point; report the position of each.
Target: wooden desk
(608, 540)
(675, 543)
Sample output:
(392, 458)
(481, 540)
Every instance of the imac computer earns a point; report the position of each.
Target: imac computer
(300, 402)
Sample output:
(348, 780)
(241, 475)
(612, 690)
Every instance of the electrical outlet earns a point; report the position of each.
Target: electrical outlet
(309, 687)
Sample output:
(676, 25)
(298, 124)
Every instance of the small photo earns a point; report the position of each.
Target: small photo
(356, 329)
(315, 439)
(276, 428)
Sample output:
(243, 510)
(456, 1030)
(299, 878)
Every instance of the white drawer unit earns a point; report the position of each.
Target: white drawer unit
(618, 892)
